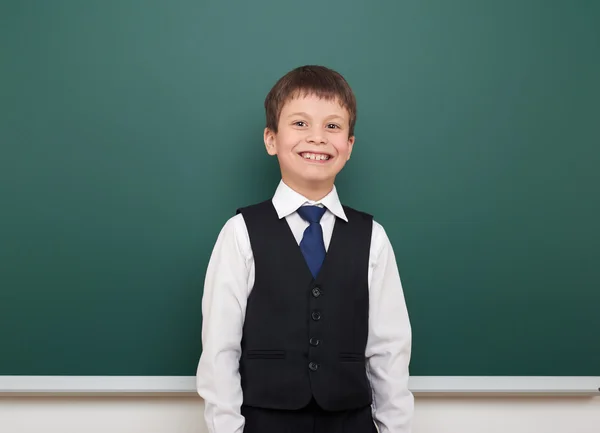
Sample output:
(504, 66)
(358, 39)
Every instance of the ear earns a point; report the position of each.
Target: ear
(350, 145)
(269, 137)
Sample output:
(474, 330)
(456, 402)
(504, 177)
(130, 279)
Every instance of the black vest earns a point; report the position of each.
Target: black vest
(305, 338)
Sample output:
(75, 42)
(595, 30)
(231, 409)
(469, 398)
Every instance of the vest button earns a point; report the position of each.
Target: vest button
(316, 315)
(314, 341)
(316, 292)
(313, 366)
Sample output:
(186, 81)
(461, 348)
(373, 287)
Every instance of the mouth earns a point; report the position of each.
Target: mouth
(316, 157)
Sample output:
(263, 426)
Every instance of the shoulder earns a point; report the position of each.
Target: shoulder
(354, 214)
(378, 232)
(233, 224)
(255, 208)
(236, 228)
(233, 237)
(379, 238)
(233, 228)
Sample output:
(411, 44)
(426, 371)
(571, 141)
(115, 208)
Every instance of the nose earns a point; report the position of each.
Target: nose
(316, 137)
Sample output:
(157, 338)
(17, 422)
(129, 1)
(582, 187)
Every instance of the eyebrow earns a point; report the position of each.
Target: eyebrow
(300, 113)
(303, 114)
(334, 116)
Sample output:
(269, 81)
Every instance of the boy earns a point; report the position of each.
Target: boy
(305, 325)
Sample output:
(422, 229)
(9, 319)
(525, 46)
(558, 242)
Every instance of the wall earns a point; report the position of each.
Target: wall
(184, 415)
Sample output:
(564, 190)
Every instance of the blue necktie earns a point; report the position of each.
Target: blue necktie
(312, 245)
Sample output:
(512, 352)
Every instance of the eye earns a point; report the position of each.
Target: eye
(333, 126)
(300, 123)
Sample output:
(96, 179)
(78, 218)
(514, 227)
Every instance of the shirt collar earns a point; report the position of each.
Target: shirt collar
(286, 201)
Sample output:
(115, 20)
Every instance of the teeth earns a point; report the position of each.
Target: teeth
(314, 156)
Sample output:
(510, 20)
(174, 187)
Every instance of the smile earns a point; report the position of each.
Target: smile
(320, 157)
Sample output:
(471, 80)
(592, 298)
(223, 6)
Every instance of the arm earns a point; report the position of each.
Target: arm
(223, 310)
(389, 344)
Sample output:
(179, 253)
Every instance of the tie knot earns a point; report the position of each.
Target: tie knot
(312, 214)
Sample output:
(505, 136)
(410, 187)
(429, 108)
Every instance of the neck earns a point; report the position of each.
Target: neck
(313, 191)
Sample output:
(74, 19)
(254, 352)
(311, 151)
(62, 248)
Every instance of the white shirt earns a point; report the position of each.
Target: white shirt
(229, 281)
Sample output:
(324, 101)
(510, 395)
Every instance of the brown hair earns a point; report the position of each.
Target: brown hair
(309, 80)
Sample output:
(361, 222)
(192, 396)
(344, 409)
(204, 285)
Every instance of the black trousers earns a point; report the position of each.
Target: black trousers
(311, 419)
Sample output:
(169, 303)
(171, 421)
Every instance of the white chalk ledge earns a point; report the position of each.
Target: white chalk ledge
(186, 385)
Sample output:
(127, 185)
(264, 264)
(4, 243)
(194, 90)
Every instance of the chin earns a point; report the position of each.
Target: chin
(317, 179)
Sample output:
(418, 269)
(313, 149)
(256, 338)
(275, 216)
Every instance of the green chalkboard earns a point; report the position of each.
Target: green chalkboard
(130, 131)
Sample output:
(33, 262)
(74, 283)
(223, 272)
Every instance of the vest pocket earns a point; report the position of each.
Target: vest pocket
(265, 354)
(352, 357)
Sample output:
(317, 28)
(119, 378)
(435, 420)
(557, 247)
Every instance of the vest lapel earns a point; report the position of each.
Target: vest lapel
(285, 227)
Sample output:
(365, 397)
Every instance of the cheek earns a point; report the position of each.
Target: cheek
(342, 147)
(287, 141)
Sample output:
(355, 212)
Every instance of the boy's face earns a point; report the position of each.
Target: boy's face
(312, 143)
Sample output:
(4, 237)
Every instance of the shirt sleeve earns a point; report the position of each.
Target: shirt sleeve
(389, 342)
(223, 311)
